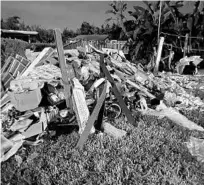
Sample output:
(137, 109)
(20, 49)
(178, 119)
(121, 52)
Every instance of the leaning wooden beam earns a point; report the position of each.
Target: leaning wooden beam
(66, 77)
(159, 53)
(96, 50)
(122, 104)
(92, 119)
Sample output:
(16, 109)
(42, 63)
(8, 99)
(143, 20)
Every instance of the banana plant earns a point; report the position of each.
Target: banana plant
(147, 20)
(195, 21)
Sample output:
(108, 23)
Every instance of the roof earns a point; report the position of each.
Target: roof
(91, 37)
(19, 32)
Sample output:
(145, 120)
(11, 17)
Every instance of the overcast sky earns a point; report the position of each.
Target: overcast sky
(59, 14)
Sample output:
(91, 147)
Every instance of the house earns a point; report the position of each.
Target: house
(19, 34)
(82, 40)
(92, 37)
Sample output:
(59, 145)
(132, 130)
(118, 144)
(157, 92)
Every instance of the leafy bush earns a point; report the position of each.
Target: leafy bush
(40, 46)
(11, 47)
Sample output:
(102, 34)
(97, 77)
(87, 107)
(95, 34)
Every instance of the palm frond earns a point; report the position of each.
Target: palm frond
(110, 12)
(109, 19)
(148, 6)
(171, 10)
(139, 9)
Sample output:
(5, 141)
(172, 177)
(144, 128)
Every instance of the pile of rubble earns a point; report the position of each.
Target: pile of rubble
(88, 91)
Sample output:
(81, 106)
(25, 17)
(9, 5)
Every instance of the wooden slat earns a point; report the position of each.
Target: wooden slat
(37, 60)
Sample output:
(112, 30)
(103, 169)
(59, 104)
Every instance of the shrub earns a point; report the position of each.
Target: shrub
(40, 46)
(11, 47)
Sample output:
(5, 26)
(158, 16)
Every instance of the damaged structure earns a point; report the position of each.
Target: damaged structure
(87, 87)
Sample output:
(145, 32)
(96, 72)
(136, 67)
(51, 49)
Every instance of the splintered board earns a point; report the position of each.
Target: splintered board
(79, 105)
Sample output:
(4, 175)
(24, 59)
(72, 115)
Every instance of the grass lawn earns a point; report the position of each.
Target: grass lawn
(153, 153)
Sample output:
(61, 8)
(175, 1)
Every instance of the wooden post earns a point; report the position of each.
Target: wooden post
(159, 53)
(171, 55)
(185, 45)
(98, 125)
(66, 77)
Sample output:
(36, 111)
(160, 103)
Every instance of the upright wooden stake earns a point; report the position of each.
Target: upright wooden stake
(159, 53)
(185, 45)
(171, 55)
(66, 77)
(98, 125)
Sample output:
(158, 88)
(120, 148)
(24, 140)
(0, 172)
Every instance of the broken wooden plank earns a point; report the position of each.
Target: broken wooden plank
(141, 88)
(66, 77)
(41, 56)
(92, 119)
(159, 53)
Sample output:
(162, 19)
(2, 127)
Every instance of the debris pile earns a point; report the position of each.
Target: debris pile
(60, 89)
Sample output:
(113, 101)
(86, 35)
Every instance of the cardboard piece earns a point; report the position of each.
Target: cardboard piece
(26, 100)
